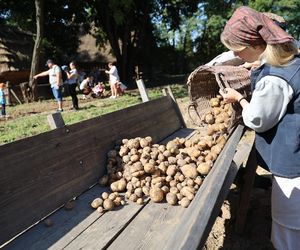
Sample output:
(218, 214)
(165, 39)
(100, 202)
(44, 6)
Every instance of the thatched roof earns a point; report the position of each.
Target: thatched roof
(15, 49)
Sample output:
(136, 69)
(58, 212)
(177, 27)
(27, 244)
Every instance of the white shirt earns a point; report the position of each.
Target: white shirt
(84, 84)
(74, 78)
(268, 103)
(226, 58)
(52, 76)
(113, 75)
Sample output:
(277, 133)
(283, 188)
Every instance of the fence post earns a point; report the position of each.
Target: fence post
(142, 89)
(55, 120)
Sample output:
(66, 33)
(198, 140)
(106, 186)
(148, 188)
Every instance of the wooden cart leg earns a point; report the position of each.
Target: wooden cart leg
(245, 193)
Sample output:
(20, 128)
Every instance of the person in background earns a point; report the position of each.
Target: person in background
(98, 90)
(113, 79)
(273, 112)
(86, 86)
(55, 80)
(2, 99)
(72, 81)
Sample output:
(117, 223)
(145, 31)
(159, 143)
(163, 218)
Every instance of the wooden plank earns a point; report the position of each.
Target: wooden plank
(44, 171)
(143, 91)
(245, 193)
(55, 120)
(67, 225)
(103, 231)
(151, 227)
(200, 216)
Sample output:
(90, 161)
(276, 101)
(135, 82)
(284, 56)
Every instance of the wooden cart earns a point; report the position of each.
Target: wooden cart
(41, 173)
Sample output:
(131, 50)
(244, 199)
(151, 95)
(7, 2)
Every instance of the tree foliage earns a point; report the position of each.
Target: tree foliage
(166, 36)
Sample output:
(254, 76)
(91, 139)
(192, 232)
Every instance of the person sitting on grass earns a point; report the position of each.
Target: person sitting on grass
(98, 90)
(2, 99)
(121, 89)
(55, 80)
(86, 86)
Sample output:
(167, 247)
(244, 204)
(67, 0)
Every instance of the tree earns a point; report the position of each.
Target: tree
(39, 7)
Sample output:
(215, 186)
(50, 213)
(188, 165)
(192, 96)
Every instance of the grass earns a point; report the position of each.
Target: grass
(31, 119)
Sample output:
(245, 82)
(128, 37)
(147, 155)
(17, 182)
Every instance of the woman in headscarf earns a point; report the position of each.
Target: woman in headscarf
(273, 112)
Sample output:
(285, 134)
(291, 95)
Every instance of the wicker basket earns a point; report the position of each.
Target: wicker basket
(205, 82)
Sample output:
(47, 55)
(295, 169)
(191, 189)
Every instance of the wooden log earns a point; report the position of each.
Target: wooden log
(55, 120)
(15, 96)
(45, 171)
(142, 89)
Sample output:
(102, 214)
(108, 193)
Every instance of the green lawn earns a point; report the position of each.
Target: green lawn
(31, 119)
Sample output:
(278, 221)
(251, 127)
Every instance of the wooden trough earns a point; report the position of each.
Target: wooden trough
(41, 173)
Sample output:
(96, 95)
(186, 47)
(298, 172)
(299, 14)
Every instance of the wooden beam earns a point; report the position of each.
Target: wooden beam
(14, 94)
(143, 91)
(55, 120)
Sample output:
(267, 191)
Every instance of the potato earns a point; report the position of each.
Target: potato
(179, 196)
(179, 186)
(184, 202)
(167, 153)
(156, 194)
(100, 209)
(209, 119)
(133, 143)
(171, 170)
(216, 149)
(174, 190)
(96, 203)
(185, 192)
(140, 201)
(214, 102)
(190, 182)
(118, 186)
(172, 160)
(138, 192)
(112, 196)
(146, 190)
(108, 204)
(171, 198)
(204, 168)
(134, 158)
(105, 195)
(133, 197)
(149, 139)
(118, 201)
(149, 168)
(126, 158)
(127, 194)
(189, 171)
(172, 147)
(198, 180)
(144, 143)
(165, 189)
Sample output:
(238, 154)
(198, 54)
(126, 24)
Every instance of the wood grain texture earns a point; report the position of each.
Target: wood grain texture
(67, 225)
(151, 228)
(198, 219)
(45, 171)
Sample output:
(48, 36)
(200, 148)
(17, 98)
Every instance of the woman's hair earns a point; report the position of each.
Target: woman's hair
(274, 54)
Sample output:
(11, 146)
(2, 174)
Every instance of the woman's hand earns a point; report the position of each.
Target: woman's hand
(230, 95)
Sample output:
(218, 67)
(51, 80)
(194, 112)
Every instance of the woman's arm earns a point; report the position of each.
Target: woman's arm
(268, 103)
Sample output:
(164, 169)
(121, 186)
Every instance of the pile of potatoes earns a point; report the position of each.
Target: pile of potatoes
(218, 118)
(107, 202)
(174, 171)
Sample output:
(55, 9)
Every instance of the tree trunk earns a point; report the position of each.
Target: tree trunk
(39, 7)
